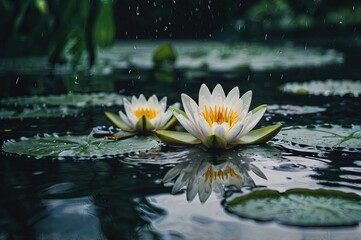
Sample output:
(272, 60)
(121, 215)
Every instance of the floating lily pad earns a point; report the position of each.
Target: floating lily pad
(334, 137)
(293, 109)
(38, 112)
(208, 56)
(82, 147)
(227, 57)
(302, 207)
(74, 99)
(326, 88)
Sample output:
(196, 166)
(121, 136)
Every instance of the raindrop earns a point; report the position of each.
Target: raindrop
(135, 48)
(130, 70)
(265, 37)
(76, 80)
(137, 11)
(249, 77)
(17, 80)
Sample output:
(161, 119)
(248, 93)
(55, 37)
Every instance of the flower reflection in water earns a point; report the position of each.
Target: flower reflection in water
(203, 176)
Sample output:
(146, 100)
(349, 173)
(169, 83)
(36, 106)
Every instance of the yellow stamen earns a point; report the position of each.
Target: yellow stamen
(210, 175)
(149, 113)
(220, 114)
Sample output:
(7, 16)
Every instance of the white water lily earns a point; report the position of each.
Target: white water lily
(142, 115)
(220, 121)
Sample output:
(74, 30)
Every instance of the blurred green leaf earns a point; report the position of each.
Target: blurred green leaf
(42, 6)
(164, 54)
(104, 30)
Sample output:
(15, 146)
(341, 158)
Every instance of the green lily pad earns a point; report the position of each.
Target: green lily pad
(293, 109)
(176, 138)
(74, 99)
(191, 55)
(117, 121)
(301, 207)
(38, 112)
(335, 137)
(261, 135)
(72, 146)
(328, 87)
(217, 56)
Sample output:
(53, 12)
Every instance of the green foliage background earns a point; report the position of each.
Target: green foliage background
(64, 30)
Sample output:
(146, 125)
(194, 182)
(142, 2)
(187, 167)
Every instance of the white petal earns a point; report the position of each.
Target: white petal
(234, 131)
(246, 98)
(126, 120)
(232, 95)
(252, 121)
(152, 102)
(162, 104)
(204, 127)
(165, 118)
(161, 120)
(190, 107)
(204, 96)
(219, 130)
(218, 90)
(142, 101)
(188, 125)
(129, 110)
(134, 100)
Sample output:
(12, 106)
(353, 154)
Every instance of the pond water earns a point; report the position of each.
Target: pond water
(124, 196)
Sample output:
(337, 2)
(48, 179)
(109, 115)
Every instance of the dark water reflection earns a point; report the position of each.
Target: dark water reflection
(125, 197)
(63, 199)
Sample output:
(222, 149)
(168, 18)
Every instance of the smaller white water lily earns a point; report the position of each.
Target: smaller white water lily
(142, 115)
(219, 121)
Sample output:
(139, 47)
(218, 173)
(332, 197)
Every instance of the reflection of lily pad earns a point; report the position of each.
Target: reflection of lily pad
(293, 109)
(38, 112)
(327, 136)
(327, 88)
(82, 147)
(301, 207)
(74, 99)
